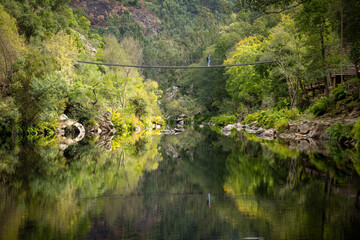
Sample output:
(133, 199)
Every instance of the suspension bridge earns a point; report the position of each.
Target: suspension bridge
(179, 67)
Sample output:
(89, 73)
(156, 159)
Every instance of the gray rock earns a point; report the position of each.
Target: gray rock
(227, 129)
(287, 136)
(178, 129)
(250, 130)
(304, 128)
(259, 131)
(250, 125)
(269, 134)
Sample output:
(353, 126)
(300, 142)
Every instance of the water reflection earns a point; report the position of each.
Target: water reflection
(196, 185)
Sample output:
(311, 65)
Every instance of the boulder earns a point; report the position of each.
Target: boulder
(269, 134)
(66, 122)
(250, 130)
(82, 131)
(259, 131)
(227, 129)
(251, 125)
(105, 124)
(287, 136)
(318, 130)
(137, 129)
(178, 130)
(63, 117)
(304, 128)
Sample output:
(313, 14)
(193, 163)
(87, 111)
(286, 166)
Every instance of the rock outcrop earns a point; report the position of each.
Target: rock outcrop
(269, 134)
(296, 130)
(173, 131)
(147, 20)
(99, 10)
(307, 130)
(105, 128)
(105, 124)
(180, 120)
(65, 122)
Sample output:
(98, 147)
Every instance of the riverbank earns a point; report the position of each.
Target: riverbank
(338, 130)
(335, 118)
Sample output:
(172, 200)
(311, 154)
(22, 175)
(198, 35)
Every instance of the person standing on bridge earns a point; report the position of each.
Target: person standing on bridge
(208, 60)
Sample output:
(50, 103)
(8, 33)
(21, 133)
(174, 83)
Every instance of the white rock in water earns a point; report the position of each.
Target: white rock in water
(81, 130)
(63, 117)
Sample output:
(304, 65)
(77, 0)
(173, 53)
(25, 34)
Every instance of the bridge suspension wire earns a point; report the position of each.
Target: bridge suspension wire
(179, 67)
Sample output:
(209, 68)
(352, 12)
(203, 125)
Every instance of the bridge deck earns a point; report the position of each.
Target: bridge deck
(179, 67)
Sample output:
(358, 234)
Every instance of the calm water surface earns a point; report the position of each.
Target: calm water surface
(196, 185)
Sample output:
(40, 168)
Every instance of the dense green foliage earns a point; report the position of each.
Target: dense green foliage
(340, 133)
(251, 34)
(356, 132)
(36, 67)
(40, 80)
(224, 120)
(273, 118)
(71, 194)
(41, 173)
(321, 106)
(344, 98)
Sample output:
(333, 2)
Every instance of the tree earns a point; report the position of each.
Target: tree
(352, 30)
(285, 43)
(63, 48)
(245, 84)
(313, 21)
(11, 46)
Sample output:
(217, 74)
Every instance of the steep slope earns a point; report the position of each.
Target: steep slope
(99, 10)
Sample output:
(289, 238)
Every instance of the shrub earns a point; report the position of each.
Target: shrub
(339, 133)
(43, 130)
(272, 118)
(122, 124)
(356, 132)
(321, 106)
(224, 120)
(339, 93)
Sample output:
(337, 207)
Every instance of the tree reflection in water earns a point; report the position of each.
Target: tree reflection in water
(155, 187)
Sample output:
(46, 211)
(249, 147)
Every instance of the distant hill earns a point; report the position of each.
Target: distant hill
(99, 10)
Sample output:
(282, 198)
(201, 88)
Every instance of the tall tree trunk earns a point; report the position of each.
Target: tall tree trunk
(342, 37)
(323, 61)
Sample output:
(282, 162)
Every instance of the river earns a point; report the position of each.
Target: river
(199, 184)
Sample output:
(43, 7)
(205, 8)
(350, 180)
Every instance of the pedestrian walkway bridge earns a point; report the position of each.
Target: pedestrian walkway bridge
(179, 67)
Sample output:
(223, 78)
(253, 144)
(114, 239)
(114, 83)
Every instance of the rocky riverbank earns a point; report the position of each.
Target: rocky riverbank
(269, 134)
(296, 130)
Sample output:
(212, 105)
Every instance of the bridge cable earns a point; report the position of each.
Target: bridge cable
(179, 67)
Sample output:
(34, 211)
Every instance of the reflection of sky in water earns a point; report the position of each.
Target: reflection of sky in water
(190, 186)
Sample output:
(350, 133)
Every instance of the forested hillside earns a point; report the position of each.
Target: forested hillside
(40, 41)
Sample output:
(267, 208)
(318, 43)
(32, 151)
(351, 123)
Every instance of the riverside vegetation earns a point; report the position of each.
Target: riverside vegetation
(136, 184)
(40, 79)
(41, 39)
